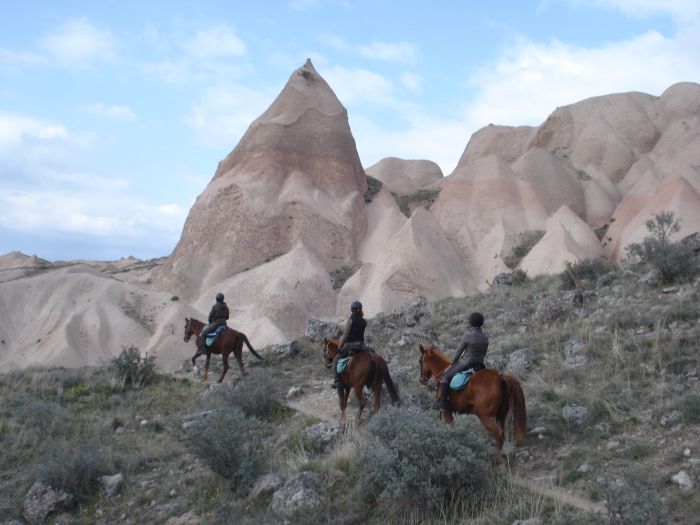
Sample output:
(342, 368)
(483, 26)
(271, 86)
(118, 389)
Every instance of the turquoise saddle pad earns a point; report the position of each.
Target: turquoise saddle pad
(460, 381)
(342, 365)
(213, 336)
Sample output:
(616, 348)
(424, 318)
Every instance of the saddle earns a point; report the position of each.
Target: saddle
(213, 336)
(343, 362)
(461, 379)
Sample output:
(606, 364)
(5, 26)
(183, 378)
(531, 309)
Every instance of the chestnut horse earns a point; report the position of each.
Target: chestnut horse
(489, 394)
(228, 341)
(364, 369)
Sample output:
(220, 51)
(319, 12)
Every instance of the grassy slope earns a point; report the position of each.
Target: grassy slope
(643, 347)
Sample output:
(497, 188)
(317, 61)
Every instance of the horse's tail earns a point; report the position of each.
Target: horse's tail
(390, 386)
(516, 399)
(250, 347)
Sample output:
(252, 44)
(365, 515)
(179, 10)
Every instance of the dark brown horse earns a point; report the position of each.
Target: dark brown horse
(363, 369)
(230, 341)
(489, 394)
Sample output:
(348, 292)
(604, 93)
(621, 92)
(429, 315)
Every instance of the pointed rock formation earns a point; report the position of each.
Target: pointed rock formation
(294, 179)
(567, 239)
(404, 177)
(419, 260)
(507, 142)
(384, 220)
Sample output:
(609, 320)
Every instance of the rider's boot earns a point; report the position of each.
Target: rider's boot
(441, 403)
(338, 383)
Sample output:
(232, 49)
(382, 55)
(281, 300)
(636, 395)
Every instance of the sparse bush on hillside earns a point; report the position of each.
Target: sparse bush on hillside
(589, 270)
(414, 464)
(690, 408)
(422, 198)
(231, 444)
(132, 370)
(257, 395)
(373, 187)
(632, 500)
(673, 260)
(75, 467)
(526, 241)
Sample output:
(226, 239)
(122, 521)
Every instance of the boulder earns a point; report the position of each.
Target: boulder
(110, 486)
(42, 501)
(575, 415)
(317, 330)
(298, 494)
(265, 485)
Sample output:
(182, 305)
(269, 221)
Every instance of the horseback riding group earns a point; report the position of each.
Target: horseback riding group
(464, 384)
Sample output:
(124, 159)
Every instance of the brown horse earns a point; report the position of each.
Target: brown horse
(229, 341)
(364, 369)
(489, 394)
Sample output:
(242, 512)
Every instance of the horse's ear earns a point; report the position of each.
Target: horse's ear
(422, 350)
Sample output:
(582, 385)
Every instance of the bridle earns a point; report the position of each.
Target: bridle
(425, 378)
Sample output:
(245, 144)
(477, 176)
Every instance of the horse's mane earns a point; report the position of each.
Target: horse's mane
(333, 343)
(436, 354)
(196, 323)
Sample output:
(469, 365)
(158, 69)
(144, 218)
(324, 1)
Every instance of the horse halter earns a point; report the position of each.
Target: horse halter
(188, 332)
(424, 378)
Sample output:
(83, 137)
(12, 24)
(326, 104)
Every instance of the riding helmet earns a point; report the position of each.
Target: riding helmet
(219, 297)
(356, 305)
(476, 319)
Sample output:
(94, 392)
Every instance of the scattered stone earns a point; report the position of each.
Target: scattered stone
(172, 493)
(294, 392)
(193, 419)
(686, 452)
(612, 445)
(413, 312)
(529, 521)
(575, 414)
(537, 430)
(265, 485)
(143, 422)
(285, 350)
(42, 500)
(670, 289)
(298, 494)
(574, 355)
(671, 418)
(551, 308)
(584, 468)
(502, 280)
(652, 277)
(110, 486)
(683, 480)
(317, 330)
(520, 361)
(323, 433)
(189, 518)
(496, 361)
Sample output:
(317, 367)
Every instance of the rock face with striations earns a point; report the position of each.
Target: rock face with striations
(294, 180)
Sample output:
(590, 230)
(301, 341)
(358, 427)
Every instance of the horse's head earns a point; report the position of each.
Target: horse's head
(424, 363)
(189, 330)
(330, 350)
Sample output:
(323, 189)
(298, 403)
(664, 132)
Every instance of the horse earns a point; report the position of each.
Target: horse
(364, 369)
(229, 341)
(489, 394)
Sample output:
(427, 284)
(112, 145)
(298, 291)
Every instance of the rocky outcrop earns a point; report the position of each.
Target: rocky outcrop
(404, 177)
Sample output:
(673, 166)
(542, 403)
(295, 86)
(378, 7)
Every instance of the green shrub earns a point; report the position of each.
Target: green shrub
(690, 408)
(132, 370)
(256, 394)
(526, 240)
(588, 269)
(74, 467)
(423, 198)
(633, 500)
(413, 464)
(673, 260)
(231, 444)
(373, 187)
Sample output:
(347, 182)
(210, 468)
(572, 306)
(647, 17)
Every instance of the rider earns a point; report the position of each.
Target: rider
(353, 338)
(218, 316)
(470, 354)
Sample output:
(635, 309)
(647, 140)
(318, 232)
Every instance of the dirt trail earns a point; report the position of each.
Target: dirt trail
(321, 402)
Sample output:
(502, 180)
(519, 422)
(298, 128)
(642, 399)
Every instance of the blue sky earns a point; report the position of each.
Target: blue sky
(114, 114)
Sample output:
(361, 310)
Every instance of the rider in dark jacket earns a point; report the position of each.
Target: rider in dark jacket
(470, 355)
(353, 338)
(218, 316)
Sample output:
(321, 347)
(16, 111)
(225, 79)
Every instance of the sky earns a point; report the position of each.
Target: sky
(114, 114)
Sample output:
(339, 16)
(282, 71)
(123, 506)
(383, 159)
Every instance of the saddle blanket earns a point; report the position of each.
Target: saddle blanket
(342, 365)
(460, 380)
(211, 337)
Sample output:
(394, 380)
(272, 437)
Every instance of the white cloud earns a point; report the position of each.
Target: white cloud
(77, 41)
(681, 9)
(112, 112)
(218, 41)
(224, 112)
(412, 81)
(403, 52)
(357, 85)
(531, 79)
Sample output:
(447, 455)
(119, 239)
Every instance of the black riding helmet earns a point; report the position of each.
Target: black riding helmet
(356, 305)
(219, 297)
(476, 319)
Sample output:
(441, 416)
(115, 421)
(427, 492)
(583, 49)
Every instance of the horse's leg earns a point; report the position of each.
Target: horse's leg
(224, 358)
(360, 395)
(493, 429)
(238, 352)
(343, 394)
(195, 356)
(447, 416)
(206, 367)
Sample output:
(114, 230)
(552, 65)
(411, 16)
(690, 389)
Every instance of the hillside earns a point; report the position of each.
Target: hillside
(609, 370)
